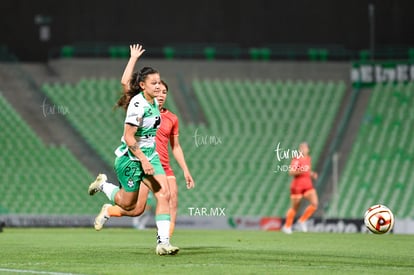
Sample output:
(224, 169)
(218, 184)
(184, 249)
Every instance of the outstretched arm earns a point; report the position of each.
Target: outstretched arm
(179, 156)
(136, 51)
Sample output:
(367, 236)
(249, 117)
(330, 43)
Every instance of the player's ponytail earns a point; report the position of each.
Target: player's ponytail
(134, 88)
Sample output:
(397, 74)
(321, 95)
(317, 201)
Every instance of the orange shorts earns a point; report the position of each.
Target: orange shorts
(299, 188)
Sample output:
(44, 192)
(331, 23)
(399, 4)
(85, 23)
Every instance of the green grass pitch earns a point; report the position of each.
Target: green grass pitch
(129, 251)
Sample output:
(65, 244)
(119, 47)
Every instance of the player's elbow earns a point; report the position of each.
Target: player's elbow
(124, 82)
(125, 86)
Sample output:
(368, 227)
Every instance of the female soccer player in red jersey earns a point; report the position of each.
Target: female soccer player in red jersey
(167, 133)
(301, 187)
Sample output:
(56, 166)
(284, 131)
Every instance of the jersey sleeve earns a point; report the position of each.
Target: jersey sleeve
(174, 129)
(135, 112)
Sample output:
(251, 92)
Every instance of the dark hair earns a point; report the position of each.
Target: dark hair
(134, 87)
(165, 84)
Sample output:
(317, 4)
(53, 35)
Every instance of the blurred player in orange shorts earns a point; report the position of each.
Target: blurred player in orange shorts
(301, 187)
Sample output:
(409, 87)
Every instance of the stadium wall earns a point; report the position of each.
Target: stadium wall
(332, 225)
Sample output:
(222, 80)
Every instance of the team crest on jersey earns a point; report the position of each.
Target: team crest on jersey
(148, 111)
(130, 183)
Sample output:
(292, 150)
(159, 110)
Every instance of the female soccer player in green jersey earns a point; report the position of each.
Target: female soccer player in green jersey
(167, 135)
(136, 158)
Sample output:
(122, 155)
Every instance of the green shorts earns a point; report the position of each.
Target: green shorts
(130, 173)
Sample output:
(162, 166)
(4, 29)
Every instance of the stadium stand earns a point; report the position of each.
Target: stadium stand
(233, 157)
(92, 102)
(378, 167)
(252, 117)
(236, 172)
(40, 179)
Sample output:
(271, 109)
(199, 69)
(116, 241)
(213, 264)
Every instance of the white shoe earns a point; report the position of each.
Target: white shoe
(96, 186)
(287, 230)
(166, 249)
(103, 216)
(303, 227)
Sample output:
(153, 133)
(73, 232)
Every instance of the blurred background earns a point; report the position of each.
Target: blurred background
(246, 78)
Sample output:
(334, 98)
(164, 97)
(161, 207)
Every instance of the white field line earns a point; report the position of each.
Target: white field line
(34, 271)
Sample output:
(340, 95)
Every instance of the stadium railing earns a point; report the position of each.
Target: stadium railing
(232, 51)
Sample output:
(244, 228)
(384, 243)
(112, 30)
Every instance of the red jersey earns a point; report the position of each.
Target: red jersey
(167, 129)
(303, 182)
(302, 164)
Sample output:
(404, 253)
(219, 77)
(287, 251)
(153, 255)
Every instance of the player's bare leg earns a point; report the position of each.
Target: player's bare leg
(109, 210)
(159, 186)
(172, 183)
(312, 197)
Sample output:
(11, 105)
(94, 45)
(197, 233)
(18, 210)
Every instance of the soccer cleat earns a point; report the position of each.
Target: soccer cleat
(287, 230)
(96, 186)
(303, 227)
(166, 249)
(103, 216)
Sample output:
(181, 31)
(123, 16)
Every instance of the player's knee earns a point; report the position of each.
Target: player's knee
(127, 205)
(136, 210)
(173, 196)
(173, 204)
(125, 201)
(124, 206)
(162, 195)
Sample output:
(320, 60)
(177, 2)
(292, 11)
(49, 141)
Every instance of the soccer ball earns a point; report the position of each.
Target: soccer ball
(379, 219)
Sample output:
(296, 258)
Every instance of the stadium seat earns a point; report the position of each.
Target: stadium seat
(169, 52)
(118, 52)
(323, 54)
(364, 55)
(67, 51)
(209, 53)
(411, 54)
(254, 53)
(313, 54)
(265, 53)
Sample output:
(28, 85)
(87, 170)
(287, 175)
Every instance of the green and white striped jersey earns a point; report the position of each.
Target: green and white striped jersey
(147, 118)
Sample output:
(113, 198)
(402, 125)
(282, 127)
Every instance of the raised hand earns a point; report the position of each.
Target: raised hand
(136, 50)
